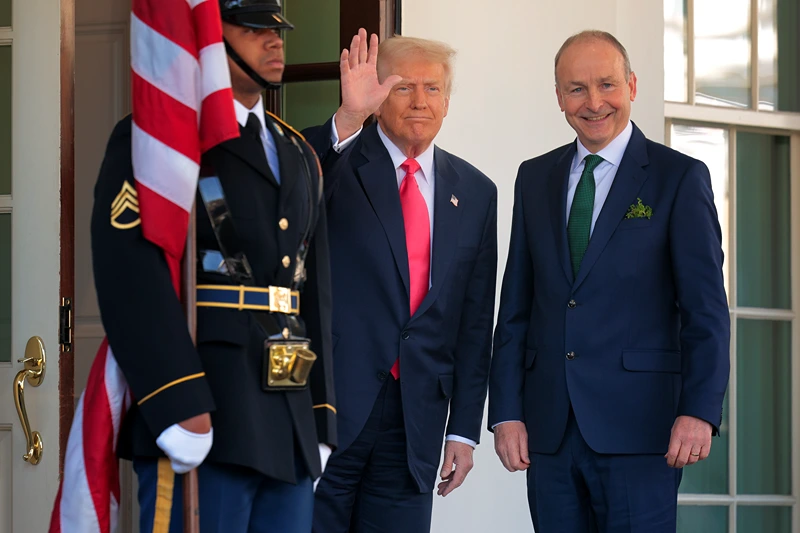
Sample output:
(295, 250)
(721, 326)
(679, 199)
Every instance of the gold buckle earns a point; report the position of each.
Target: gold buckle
(280, 299)
(289, 365)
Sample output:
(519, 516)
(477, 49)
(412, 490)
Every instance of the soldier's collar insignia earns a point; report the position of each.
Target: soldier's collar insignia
(125, 208)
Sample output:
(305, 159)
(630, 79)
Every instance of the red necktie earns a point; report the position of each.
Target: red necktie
(418, 240)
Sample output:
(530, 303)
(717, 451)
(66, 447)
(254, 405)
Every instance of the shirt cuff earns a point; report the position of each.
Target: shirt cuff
(505, 421)
(463, 440)
(339, 146)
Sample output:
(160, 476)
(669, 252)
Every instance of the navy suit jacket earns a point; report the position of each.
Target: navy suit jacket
(646, 317)
(445, 348)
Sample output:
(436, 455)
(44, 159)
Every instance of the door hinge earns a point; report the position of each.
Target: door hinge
(65, 325)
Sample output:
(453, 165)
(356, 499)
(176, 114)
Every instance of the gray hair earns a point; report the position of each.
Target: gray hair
(433, 51)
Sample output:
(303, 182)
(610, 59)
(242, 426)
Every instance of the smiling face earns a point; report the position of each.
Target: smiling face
(412, 114)
(593, 93)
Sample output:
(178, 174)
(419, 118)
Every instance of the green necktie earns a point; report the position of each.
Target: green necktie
(580, 216)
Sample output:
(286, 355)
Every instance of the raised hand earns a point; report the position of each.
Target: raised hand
(362, 93)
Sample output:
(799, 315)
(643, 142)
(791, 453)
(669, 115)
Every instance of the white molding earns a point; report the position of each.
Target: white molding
(89, 328)
(6, 36)
(747, 499)
(732, 116)
(753, 313)
(6, 203)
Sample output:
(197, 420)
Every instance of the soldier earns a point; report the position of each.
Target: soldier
(251, 406)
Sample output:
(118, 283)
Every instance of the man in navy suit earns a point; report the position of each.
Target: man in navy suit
(611, 349)
(413, 234)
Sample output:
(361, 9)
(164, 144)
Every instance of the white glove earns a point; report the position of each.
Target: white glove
(324, 454)
(185, 450)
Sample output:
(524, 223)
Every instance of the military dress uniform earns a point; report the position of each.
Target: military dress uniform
(266, 439)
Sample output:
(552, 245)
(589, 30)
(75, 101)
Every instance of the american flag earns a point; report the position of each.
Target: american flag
(182, 106)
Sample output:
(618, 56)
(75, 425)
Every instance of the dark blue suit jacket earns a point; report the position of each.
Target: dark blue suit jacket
(445, 347)
(648, 322)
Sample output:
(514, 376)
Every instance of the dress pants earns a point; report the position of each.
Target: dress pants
(232, 499)
(577, 490)
(368, 488)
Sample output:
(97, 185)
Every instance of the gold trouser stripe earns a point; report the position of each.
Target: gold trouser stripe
(286, 125)
(325, 406)
(168, 385)
(164, 488)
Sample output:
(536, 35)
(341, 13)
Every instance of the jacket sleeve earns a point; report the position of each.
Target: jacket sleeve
(141, 313)
(474, 349)
(507, 374)
(696, 252)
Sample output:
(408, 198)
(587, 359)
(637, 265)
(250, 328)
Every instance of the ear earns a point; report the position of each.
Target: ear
(560, 99)
(632, 86)
(446, 106)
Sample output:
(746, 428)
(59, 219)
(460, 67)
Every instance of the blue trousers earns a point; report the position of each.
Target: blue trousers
(577, 490)
(368, 487)
(232, 499)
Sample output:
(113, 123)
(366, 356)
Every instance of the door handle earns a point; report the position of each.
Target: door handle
(33, 372)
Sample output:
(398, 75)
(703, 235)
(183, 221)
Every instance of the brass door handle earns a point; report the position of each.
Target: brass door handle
(33, 372)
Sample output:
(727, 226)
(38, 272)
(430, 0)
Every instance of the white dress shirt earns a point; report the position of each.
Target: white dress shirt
(604, 175)
(270, 150)
(426, 180)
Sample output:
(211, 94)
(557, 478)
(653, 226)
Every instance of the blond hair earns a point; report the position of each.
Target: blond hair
(596, 35)
(399, 47)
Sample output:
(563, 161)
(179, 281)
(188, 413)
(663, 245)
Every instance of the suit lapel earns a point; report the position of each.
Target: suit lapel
(243, 147)
(557, 185)
(446, 215)
(378, 178)
(627, 183)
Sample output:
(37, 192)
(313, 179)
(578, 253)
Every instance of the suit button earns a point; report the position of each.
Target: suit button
(286, 261)
(570, 355)
(383, 375)
(572, 304)
(405, 335)
(283, 224)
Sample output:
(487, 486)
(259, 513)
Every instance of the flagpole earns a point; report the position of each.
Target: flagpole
(191, 505)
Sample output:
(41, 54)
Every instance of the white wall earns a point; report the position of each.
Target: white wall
(502, 112)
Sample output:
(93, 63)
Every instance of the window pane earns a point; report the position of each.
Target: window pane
(766, 519)
(310, 103)
(764, 395)
(694, 518)
(778, 43)
(675, 51)
(710, 476)
(722, 53)
(5, 119)
(315, 37)
(5, 287)
(710, 145)
(763, 221)
(5, 13)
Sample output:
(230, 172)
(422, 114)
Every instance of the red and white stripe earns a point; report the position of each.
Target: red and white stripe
(182, 106)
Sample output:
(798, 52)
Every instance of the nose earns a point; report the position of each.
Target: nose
(273, 40)
(594, 101)
(418, 100)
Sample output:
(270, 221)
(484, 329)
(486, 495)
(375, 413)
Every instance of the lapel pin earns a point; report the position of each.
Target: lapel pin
(454, 200)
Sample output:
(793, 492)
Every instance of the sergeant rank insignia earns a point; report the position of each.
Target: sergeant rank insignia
(125, 208)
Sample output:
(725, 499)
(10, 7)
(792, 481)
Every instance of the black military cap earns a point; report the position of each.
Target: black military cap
(254, 14)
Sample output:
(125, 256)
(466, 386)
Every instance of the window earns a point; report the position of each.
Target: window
(310, 93)
(731, 78)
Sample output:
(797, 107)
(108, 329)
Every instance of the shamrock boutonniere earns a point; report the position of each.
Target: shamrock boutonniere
(639, 210)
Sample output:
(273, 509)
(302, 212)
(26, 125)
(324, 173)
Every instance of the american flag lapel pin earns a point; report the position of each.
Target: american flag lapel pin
(454, 200)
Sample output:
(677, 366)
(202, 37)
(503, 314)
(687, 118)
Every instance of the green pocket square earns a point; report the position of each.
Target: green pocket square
(639, 210)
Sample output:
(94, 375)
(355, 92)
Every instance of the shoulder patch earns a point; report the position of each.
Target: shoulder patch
(125, 208)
